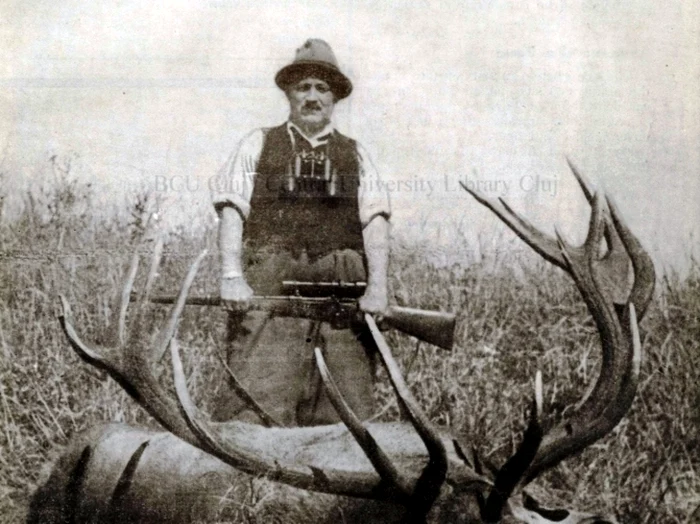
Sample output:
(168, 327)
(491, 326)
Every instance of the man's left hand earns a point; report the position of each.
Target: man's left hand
(374, 301)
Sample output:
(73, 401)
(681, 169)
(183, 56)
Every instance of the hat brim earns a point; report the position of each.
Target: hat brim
(291, 74)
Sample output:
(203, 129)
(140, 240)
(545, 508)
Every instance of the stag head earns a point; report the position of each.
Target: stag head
(414, 463)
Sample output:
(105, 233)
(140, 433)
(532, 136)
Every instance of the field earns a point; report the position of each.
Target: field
(516, 315)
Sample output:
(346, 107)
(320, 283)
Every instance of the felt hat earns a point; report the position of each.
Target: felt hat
(315, 58)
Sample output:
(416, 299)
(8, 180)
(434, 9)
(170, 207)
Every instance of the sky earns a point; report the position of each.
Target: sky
(155, 96)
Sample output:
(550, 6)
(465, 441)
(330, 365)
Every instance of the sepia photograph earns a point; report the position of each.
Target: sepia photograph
(350, 262)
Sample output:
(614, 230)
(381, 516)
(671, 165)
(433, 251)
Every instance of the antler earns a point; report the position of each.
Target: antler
(417, 496)
(410, 462)
(603, 282)
(613, 267)
(273, 452)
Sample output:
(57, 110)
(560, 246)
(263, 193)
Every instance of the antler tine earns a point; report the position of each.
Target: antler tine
(583, 182)
(381, 462)
(644, 274)
(428, 486)
(578, 260)
(616, 257)
(596, 224)
(155, 263)
(102, 357)
(636, 340)
(544, 245)
(267, 419)
(144, 295)
(170, 328)
(588, 190)
(510, 475)
(119, 337)
(153, 271)
(190, 411)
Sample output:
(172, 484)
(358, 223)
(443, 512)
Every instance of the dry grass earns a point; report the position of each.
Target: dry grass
(517, 315)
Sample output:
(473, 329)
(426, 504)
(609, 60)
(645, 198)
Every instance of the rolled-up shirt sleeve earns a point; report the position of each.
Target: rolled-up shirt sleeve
(235, 181)
(373, 196)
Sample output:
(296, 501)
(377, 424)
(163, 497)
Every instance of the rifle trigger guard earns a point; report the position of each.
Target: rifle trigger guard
(338, 319)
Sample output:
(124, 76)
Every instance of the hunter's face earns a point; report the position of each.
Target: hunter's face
(311, 103)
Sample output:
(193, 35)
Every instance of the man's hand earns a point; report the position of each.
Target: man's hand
(235, 294)
(374, 301)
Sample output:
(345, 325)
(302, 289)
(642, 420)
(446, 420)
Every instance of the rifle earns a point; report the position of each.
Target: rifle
(434, 327)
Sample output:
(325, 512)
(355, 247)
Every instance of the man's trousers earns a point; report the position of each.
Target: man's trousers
(273, 358)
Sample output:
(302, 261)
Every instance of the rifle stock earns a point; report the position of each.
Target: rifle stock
(433, 327)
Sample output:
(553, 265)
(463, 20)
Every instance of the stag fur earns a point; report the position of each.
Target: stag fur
(418, 472)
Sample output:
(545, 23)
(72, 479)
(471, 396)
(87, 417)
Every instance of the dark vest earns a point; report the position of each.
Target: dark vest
(313, 208)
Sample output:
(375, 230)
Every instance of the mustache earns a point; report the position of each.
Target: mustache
(311, 105)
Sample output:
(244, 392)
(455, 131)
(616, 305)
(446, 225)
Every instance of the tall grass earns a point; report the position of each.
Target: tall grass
(516, 315)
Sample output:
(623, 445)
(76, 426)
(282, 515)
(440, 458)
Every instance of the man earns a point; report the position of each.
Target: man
(308, 206)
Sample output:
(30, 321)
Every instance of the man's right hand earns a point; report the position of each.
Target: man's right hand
(235, 294)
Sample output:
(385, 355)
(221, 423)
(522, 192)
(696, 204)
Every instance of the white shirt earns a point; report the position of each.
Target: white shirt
(236, 179)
